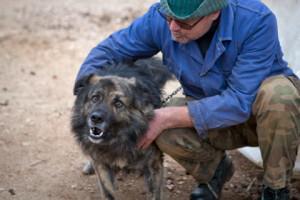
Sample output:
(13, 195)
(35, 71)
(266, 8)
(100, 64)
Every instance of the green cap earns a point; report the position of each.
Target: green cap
(188, 9)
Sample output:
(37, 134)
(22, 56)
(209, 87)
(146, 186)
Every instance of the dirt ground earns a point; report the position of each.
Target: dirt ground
(42, 44)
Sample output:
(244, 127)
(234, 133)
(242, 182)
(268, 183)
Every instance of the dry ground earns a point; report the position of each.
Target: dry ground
(42, 44)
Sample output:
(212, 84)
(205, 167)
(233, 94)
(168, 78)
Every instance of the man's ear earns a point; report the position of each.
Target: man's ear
(85, 81)
(215, 15)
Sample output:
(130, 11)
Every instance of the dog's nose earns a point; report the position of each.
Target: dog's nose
(96, 117)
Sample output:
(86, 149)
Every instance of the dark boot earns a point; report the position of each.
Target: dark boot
(279, 194)
(212, 190)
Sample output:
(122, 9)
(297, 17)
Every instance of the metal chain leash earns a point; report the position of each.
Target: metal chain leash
(165, 100)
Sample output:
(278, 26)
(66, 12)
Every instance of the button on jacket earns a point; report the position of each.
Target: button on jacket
(244, 51)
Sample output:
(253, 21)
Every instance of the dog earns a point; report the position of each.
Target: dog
(111, 112)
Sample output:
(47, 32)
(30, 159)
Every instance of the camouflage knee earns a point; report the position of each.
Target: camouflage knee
(277, 112)
(195, 154)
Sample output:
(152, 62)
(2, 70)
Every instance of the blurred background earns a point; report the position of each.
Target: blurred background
(42, 45)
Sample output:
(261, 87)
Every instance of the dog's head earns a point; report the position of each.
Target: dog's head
(113, 108)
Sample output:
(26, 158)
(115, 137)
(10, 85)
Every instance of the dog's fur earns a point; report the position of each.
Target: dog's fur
(111, 113)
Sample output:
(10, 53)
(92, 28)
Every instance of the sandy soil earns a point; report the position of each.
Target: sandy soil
(42, 44)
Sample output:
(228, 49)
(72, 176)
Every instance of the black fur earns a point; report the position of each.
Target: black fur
(111, 113)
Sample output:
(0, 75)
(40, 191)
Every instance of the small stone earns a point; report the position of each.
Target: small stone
(180, 182)
(170, 186)
(25, 144)
(12, 191)
(184, 178)
(74, 186)
(28, 121)
(32, 73)
(169, 181)
(4, 103)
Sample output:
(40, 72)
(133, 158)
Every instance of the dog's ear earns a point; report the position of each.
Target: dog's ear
(85, 81)
(93, 79)
(146, 95)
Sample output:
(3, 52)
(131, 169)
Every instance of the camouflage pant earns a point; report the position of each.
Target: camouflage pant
(274, 126)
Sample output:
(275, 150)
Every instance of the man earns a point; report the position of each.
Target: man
(239, 90)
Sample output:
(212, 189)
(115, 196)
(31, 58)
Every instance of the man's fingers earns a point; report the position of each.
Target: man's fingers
(148, 142)
(140, 143)
(144, 142)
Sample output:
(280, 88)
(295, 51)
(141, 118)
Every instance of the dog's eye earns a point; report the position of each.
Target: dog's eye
(118, 104)
(95, 98)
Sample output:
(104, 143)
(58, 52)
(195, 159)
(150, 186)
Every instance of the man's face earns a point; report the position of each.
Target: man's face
(202, 26)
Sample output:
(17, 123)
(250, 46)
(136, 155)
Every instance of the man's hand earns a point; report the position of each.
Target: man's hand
(156, 127)
(165, 118)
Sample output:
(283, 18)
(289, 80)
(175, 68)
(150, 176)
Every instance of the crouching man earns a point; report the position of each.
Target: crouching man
(239, 91)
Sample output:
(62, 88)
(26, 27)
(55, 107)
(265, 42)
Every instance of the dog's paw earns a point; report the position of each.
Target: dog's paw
(88, 168)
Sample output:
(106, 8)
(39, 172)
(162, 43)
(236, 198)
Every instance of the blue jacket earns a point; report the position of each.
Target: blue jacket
(244, 51)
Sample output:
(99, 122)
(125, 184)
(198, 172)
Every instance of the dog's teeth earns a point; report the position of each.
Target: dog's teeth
(101, 134)
(91, 131)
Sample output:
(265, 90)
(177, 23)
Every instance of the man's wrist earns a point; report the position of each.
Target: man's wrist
(174, 117)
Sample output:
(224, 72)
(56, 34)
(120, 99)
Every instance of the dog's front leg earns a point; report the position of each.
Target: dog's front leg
(105, 180)
(155, 180)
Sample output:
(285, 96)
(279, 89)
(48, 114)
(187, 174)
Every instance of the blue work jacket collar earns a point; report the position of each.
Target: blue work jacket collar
(216, 48)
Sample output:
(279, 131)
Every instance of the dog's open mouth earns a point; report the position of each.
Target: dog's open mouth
(96, 135)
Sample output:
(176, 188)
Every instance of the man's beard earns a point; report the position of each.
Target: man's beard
(181, 40)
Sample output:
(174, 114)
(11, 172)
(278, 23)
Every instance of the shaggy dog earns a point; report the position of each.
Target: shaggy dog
(111, 112)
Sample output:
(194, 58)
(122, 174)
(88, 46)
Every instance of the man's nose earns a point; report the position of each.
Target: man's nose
(174, 26)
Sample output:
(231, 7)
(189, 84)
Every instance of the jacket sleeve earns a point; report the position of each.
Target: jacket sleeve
(131, 43)
(234, 105)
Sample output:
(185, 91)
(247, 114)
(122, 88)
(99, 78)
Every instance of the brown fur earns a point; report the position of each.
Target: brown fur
(111, 113)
